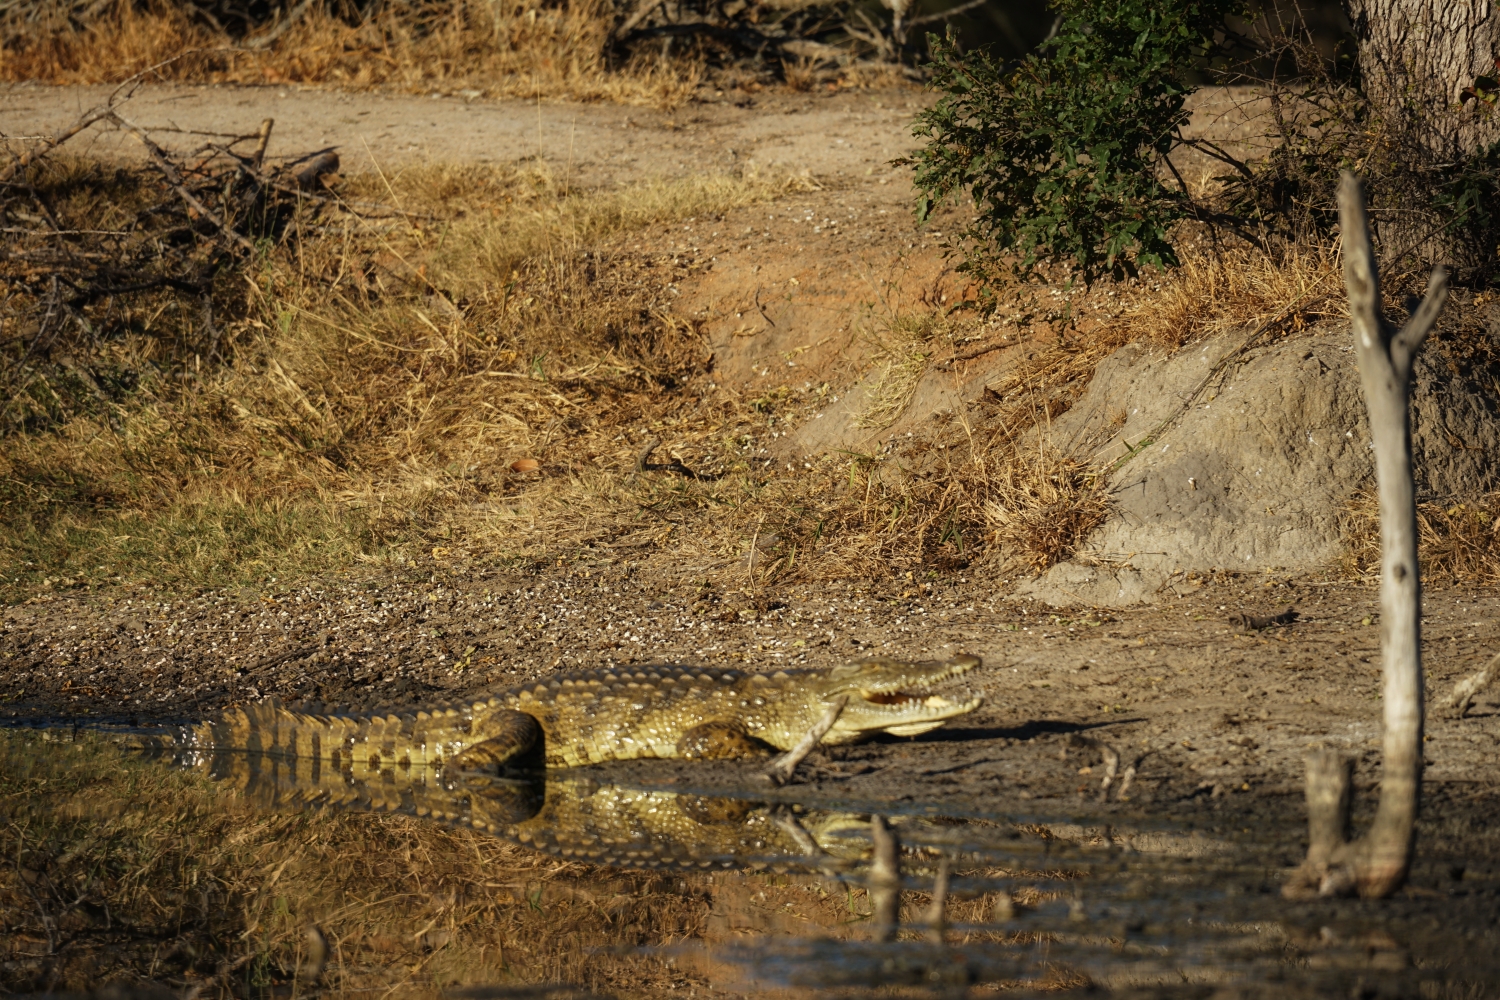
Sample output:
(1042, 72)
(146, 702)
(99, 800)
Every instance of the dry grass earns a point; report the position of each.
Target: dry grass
(379, 383)
(1034, 501)
(1043, 508)
(381, 380)
(513, 48)
(900, 345)
(1459, 541)
(1234, 287)
(119, 870)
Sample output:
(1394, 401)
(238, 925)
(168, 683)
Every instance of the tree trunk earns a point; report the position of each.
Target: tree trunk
(1376, 864)
(1417, 57)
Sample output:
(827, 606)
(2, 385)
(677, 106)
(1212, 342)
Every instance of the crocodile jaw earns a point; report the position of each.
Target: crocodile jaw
(889, 696)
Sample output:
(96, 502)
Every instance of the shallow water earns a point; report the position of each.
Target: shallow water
(246, 874)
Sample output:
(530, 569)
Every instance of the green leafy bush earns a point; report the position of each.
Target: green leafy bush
(1065, 152)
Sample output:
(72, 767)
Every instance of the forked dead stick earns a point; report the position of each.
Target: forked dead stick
(1376, 864)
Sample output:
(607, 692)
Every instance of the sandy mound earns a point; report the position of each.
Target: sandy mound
(1228, 460)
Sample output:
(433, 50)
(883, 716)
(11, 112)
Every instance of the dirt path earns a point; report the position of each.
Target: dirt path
(849, 136)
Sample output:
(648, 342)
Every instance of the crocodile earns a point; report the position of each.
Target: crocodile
(573, 720)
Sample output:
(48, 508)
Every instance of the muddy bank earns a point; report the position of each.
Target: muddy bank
(1217, 713)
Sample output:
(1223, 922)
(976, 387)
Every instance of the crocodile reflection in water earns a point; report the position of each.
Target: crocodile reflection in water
(565, 813)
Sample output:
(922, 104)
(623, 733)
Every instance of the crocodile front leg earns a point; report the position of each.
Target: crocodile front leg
(515, 741)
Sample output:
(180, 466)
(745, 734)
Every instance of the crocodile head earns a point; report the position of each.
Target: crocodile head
(893, 696)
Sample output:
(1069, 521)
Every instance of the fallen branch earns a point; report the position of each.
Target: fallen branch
(781, 769)
(48, 145)
(1466, 690)
(173, 178)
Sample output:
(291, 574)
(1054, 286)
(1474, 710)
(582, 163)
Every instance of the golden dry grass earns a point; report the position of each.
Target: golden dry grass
(380, 382)
(1233, 287)
(382, 379)
(523, 48)
(1458, 540)
(1043, 508)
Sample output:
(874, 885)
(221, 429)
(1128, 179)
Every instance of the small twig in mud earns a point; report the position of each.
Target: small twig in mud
(643, 464)
(1466, 690)
(1254, 623)
(781, 769)
(885, 879)
(937, 913)
(1111, 760)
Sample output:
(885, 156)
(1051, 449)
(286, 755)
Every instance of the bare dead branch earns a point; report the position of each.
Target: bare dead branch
(34, 154)
(1466, 690)
(1376, 864)
(173, 178)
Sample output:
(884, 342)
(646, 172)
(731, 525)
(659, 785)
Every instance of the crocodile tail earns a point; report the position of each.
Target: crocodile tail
(272, 728)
